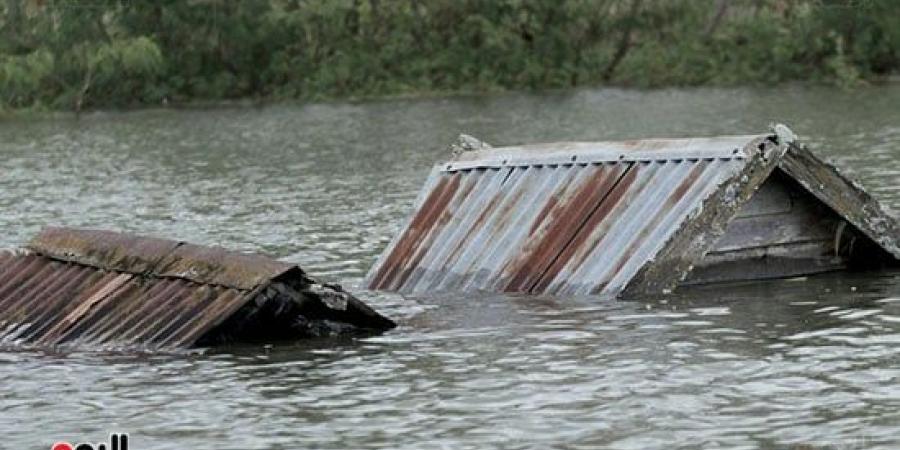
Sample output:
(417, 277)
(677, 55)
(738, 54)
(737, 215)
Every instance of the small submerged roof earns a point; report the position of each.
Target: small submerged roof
(597, 218)
(99, 288)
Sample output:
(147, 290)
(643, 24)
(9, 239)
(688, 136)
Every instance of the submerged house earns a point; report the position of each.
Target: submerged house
(633, 217)
(115, 290)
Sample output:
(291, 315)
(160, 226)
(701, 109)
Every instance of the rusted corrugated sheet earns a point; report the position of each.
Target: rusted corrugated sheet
(572, 218)
(626, 218)
(97, 288)
(48, 302)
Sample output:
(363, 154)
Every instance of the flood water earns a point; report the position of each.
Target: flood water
(809, 363)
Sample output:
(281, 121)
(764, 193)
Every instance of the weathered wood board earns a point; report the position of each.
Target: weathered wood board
(783, 231)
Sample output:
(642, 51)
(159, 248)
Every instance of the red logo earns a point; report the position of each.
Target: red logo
(117, 441)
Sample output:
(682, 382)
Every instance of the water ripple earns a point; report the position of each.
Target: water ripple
(809, 364)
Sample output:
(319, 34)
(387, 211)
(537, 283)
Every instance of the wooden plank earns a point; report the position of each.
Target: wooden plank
(773, 197)
(812, 249)
(762, 231)
(762, 269)
(805, 218)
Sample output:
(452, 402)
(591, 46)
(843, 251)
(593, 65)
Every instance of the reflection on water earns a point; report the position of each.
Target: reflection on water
(809, 362)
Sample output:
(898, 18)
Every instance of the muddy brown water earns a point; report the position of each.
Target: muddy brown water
(809, 363)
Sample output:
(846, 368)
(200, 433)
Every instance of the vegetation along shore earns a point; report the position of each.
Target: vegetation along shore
(74, 55)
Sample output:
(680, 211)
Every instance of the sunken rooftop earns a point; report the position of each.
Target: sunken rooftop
(633, 217)
(92, 288)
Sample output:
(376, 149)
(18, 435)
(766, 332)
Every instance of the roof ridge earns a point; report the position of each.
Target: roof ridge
(157, 257)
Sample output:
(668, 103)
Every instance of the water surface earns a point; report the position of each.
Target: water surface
(810, 363)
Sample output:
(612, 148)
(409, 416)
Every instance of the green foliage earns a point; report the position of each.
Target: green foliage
(68, 54)
(22, 77)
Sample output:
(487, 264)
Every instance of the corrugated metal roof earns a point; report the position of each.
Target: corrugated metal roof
(99, 288)
(48, 302)
(571, 218)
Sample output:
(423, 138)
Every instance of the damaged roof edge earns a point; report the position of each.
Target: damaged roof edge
(844, 195)
(700, 231)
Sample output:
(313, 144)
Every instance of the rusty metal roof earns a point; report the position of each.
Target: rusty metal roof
(47, 302)
(593, 218)
(99, 288)
(571, 218)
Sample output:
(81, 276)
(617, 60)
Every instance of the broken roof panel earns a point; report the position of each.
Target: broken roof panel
(98, 288)
(576, 218)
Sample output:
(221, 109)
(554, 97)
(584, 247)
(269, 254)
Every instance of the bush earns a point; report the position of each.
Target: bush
(71, 55)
